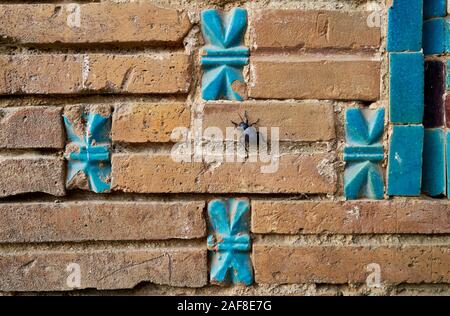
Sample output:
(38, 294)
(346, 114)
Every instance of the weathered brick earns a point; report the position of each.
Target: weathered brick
(158, 173)
(91, 221)
(296, 121)
(280, 264)
(26, 174)
(143, 73)
(148, 122)
(299, 29)
(41, 74)
(31, 127)
(103, 269)
(94, 73)
(351, 217)
(339, 78)
(91, 23)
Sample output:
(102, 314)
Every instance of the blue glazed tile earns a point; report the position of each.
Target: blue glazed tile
(363, 179)
(405, 160)
(362, 153)
(405, 26)
(364, 126)
(229, 241)
(91, 156)
(448, 162)
(433, 36)
(406, 88)
(436, 36)
(224, 53)
(433, 173)
(434, 8)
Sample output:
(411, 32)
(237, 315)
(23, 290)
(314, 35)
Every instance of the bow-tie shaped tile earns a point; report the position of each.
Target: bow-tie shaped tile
(229, 241)
(91, 156)
(363, 153)
(225, 54)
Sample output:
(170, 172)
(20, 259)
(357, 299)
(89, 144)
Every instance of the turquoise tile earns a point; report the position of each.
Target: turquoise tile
(448, 162)
(434, 8)
(93, 157)
(224, 53)
(362, 153)
(406, 88)
(229, 241)
(405, 26)
(363, 179)
(404, 175)
(433, 173)
(436, 36)
(364, 126)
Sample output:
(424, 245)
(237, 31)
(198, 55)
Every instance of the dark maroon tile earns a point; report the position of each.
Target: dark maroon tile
(434, 93)
(447, 110)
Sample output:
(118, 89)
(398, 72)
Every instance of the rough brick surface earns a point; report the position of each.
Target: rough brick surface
(128, 74)
(296, 121)
(103, 269)
(299, 29)
(91, 220)
(340, 78)
(148, 122)
(41, 74)
(160, 73)
(143, 73)
(24, 174)
(31, 127)
(91, 23)
(348, 264)
(352, 217)
(148, 173)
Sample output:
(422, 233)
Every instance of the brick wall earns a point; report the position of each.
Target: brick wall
(114, 175)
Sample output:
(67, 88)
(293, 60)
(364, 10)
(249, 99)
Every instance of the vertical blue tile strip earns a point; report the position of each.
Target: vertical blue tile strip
(433, 173)
(405, 160)
(406, 88)
(225, 53)
(405, 26)
(406, 99)
(229, 241)
(93, 157)
(363, 153)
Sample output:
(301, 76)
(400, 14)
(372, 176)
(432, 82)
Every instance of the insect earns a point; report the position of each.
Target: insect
(250, 135)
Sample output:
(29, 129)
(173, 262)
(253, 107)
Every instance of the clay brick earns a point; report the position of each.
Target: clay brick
(339, 78)
(103, 269)
(40, 74)
(314, 29)
(91, 23)
(31, 127)
(280, 264)
(94, 73)
(143, 73)
(26, 174)
(148, 122)
(296, 121)
(158, 173)
(352, 217)
(93, 221)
